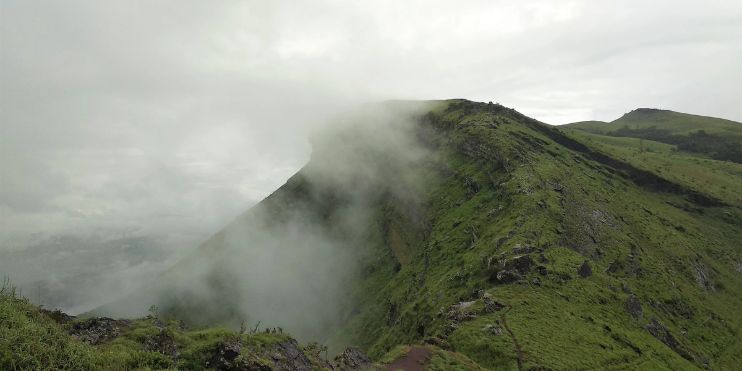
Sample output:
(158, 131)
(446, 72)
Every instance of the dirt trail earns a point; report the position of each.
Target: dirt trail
(518, 350)
(414, 360)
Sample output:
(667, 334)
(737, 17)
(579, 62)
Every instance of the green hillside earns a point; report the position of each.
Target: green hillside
(493, 239)
(32, 338)
(710, 137)
(675, 122)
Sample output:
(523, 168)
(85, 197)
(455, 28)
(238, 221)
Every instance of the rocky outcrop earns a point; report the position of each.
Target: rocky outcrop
(97, 330)
(521, 263)
(351, 359)
(507, 276)
(288, 356)
(703, 279)
(162, 343)
(663, 334)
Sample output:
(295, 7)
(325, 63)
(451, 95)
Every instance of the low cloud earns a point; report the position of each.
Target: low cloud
(168, 119)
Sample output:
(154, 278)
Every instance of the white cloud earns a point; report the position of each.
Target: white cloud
(171, 117)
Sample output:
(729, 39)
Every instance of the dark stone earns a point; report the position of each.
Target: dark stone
(162, 343)
(490, 305)
(522, 264)
(507, 276)
(634, 306)
(97, 330)
(542, 270)
(702, 277)
(351, 359)
(659, 331)
(226, 357)
(585, 270)
(288, 356)
(472, 187)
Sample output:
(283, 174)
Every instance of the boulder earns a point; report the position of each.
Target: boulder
(162, 343)
(663, 334)
(585, 270)
(491, 306)
(492, 329)
(351, 359)
(521, 263)
(226, 357)
(287, 356)
(97, 330)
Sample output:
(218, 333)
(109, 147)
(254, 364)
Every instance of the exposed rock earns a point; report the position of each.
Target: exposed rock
(458, 314)
(542, 270)
(614, 267)
(490, 305)
(287, 356)
(227, 358)
(521, 263)
(634, 306)
(97, 330)
(507, 276)
(351, 359)
(585, 270)
(702, 277)
(492, 329)
(659, 331)
(472, 187)
(162, 343)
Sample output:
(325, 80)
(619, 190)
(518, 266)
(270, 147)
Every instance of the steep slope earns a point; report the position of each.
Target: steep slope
(504, 239)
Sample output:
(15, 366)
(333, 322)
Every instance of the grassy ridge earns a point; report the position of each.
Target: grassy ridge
(528, 246)
(675, 122)
(538, 198)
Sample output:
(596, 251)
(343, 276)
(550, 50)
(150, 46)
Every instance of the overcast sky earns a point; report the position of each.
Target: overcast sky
(167, 118)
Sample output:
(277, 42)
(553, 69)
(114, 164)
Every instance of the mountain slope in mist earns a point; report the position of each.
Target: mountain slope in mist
(477, 229)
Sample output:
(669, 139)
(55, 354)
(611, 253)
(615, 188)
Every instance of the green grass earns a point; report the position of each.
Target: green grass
(597, 214)
(498, 186)
(31, 340)
(676, 122)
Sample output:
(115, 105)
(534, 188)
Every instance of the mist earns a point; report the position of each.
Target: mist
(292, 260)
(155, 124)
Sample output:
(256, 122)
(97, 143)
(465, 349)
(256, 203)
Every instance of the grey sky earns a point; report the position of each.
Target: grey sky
(167, 118)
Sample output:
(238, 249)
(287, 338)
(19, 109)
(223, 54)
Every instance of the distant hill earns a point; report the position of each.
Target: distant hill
(674, 122)
(711, 137)
(479, 230)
